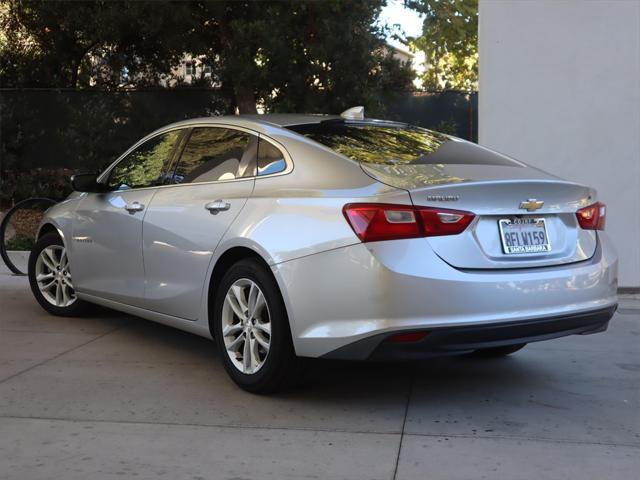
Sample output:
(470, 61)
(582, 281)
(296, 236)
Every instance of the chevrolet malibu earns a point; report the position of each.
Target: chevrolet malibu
(292, 236)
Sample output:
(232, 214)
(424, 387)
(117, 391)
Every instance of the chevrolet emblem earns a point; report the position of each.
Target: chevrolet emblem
(531, 205)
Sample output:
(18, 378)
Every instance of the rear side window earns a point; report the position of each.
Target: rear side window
(147, 165)
(216, 154)
(270, 159)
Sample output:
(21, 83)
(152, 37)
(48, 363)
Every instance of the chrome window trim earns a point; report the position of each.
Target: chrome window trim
(287, 158)
(243, 179)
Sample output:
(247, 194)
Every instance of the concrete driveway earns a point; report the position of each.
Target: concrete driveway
(113, 396)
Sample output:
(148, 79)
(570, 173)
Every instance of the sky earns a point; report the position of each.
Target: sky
(407, 22)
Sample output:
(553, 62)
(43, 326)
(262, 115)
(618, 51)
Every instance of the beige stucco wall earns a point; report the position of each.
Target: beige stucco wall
(560, 89)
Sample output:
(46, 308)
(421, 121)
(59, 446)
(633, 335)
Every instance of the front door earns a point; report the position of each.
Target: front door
(106, 253)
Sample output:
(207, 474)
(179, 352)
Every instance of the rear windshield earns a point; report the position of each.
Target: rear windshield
(397, 144)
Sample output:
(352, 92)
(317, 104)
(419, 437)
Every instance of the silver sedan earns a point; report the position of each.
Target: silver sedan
(292, 236)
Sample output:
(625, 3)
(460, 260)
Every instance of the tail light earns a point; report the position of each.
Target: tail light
(592, 217)
(373, 222)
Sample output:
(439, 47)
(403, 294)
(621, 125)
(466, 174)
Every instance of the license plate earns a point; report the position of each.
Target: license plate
(524, 235)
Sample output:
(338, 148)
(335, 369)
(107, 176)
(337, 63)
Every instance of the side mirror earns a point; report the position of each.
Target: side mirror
(87, 182)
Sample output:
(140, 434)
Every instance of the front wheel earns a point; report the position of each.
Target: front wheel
(50, 278)
(251, 329)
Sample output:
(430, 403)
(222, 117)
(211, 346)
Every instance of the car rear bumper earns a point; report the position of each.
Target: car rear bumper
(458, 340)
(350, 294)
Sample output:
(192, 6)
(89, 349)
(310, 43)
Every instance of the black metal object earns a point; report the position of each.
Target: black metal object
(5, 223)
(451, 112)
(87, 129)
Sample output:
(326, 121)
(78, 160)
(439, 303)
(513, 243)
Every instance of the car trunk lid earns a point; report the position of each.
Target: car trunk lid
(498, 193)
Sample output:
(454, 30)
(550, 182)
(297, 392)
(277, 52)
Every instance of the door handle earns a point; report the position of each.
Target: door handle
(134, 207)
(217, 206)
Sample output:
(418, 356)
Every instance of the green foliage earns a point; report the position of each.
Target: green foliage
(20, 242)
(447, 126)
(18, 185)
(287, 55)
(300, 56)
(296, 56)
(67, 43)
(450, 42)
(83, 130)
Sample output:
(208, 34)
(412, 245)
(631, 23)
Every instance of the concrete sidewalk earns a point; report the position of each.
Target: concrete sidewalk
(113, 396)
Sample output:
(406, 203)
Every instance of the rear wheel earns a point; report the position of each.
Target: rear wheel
(251, 329)
(499, 351)
(50, 278)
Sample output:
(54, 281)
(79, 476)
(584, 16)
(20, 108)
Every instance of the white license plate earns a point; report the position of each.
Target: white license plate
(524, 235)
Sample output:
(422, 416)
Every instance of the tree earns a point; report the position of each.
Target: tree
(295, 56)
(74, 44)
(287, 55)
(450, 42)
(299, 55)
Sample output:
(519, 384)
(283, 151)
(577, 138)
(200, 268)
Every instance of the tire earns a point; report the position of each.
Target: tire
(70, 306)
(499, 351)
(277, 369)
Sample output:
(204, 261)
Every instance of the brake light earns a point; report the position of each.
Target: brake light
(374, 222)
(593, 217)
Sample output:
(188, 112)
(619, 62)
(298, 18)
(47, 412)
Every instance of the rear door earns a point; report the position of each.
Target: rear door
(185, 221)
(106, 248)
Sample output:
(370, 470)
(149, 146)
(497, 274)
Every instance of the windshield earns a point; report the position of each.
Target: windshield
(396, 144)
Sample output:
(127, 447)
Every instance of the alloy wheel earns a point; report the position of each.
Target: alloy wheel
(246, 326)
(54, 277)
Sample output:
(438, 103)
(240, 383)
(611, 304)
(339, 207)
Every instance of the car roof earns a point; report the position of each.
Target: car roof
(288, 119)
(278, 126)
(278, 120)
(267, 122)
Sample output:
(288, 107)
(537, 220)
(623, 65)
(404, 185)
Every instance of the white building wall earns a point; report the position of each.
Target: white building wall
(560, 90)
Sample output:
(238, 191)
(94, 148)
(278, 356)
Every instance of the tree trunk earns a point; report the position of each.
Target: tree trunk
(75, 72)
(77, 62)
(245, 99)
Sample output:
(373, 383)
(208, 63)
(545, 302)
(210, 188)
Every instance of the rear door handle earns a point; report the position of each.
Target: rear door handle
(134, 207)
(217, 206)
